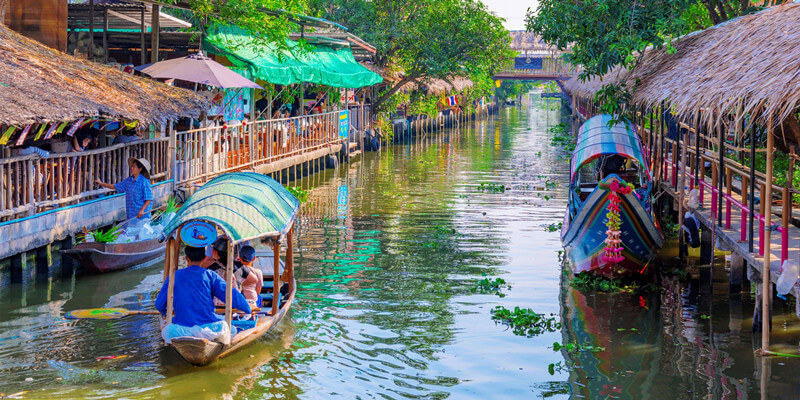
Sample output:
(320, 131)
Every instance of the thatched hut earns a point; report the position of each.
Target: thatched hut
(737, 77)
(748, 61)
(42, 85)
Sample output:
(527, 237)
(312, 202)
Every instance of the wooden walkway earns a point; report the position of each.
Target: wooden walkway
(732, 233)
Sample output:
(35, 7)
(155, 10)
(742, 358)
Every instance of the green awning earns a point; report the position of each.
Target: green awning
(245, 205)
(324, 65)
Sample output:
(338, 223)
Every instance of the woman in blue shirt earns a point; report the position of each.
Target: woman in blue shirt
(137, 188)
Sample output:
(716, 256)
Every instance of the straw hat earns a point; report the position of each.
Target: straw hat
(145, 164)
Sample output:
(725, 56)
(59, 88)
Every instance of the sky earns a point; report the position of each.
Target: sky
(513, 11)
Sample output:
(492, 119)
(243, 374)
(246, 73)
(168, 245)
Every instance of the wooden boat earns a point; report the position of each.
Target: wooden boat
(609, 171)
(263, 208)
(106, 257)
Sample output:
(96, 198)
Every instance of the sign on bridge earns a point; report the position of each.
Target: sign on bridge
(528, 63)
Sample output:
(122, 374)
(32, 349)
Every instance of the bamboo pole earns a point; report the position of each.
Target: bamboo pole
(721, 169)
(229, 288)
(766, 296)
(752, 199)
(276, 276)
(170, 265)
(682, 192)
(290, 260)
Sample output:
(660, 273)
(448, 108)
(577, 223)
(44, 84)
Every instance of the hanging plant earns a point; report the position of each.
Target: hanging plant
(613, 251)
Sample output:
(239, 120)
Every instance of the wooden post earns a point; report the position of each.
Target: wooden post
(289, 260)
(766, 199)
(105, 34)
(170, 265)
(172, 153)
(229, 288)
(720, 180)
(682, 194)
(155, 27)
(91, 30)
(752, 200)
(141, 37)
(276, 274)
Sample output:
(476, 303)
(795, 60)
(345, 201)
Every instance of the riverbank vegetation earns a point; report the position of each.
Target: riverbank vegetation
(420, 41)
(601, 35)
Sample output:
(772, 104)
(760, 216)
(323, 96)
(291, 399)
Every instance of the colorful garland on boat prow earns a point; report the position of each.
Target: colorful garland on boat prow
(613, 251)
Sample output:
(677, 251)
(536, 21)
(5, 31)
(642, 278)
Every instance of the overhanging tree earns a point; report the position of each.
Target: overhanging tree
(603, 34)
(425, 39)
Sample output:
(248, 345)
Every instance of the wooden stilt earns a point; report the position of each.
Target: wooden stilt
(170, 266)
(682, 192)
(290, 259)
(276, 274)
(765, 273)
(229, 287)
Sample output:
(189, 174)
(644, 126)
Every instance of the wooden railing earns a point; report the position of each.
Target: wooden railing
(30, 184)
(551, 66)
(207, 152)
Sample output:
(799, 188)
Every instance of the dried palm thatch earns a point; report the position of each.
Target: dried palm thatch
(751, 61)
(42, 85)
(431, 86)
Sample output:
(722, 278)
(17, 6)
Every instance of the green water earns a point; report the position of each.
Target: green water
(389, 249)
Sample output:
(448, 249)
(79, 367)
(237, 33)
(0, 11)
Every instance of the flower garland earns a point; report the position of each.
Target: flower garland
(613, 251)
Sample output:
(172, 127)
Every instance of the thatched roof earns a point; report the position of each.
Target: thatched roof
(431, 86)
(42, 85)
(752, 60)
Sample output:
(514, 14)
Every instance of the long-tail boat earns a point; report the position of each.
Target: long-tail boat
(99, 258)
(245, 206)
(609, 228)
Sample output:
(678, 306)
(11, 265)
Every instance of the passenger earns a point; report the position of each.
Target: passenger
(137, 188)
(194, 291)
(253, 277)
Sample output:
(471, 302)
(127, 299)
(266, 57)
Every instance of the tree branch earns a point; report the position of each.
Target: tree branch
(379, 102)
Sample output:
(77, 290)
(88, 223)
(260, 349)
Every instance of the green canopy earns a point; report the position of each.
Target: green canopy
(324, 65)
(245, 205)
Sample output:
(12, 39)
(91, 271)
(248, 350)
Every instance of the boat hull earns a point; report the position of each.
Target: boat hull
(106, 257)
(202, 352)
(584, 236)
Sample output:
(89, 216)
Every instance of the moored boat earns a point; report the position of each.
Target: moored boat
(106, 257)
(245, 207)
(609, 228)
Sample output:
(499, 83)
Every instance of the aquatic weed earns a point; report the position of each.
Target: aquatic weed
(577, 347)
(553, 227)
(301, 194)
(487, 285)
(492, 187)
(526, 322)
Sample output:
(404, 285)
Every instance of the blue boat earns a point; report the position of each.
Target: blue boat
(610, 175)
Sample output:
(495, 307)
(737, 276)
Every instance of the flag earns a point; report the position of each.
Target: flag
(41, 130)
(50, 131)
(451, 101)
(7, 135)
(23, 135)
(75, 127)
(61, 127)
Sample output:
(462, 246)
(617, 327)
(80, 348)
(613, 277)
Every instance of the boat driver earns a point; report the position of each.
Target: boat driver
(194, 292)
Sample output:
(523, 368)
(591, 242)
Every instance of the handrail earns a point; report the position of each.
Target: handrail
(31, 184)
(207, 152)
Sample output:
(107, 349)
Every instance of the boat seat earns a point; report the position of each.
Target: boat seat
(266, 301)
(246, 324)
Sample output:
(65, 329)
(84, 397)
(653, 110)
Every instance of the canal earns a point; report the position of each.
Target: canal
(390, 250)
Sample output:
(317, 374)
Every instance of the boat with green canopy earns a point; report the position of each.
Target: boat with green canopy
(610, 227)
(244, 206)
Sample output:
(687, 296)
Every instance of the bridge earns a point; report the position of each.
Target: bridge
(537, 67)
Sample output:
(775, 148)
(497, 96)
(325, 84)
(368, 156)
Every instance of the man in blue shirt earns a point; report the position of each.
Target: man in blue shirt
(193, 301)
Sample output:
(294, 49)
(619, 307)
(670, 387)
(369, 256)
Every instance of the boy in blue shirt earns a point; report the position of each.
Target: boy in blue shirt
(194, 292)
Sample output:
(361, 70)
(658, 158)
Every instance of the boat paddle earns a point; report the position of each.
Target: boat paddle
(105, 313)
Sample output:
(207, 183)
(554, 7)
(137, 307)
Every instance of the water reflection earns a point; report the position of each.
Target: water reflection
(388, 249)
